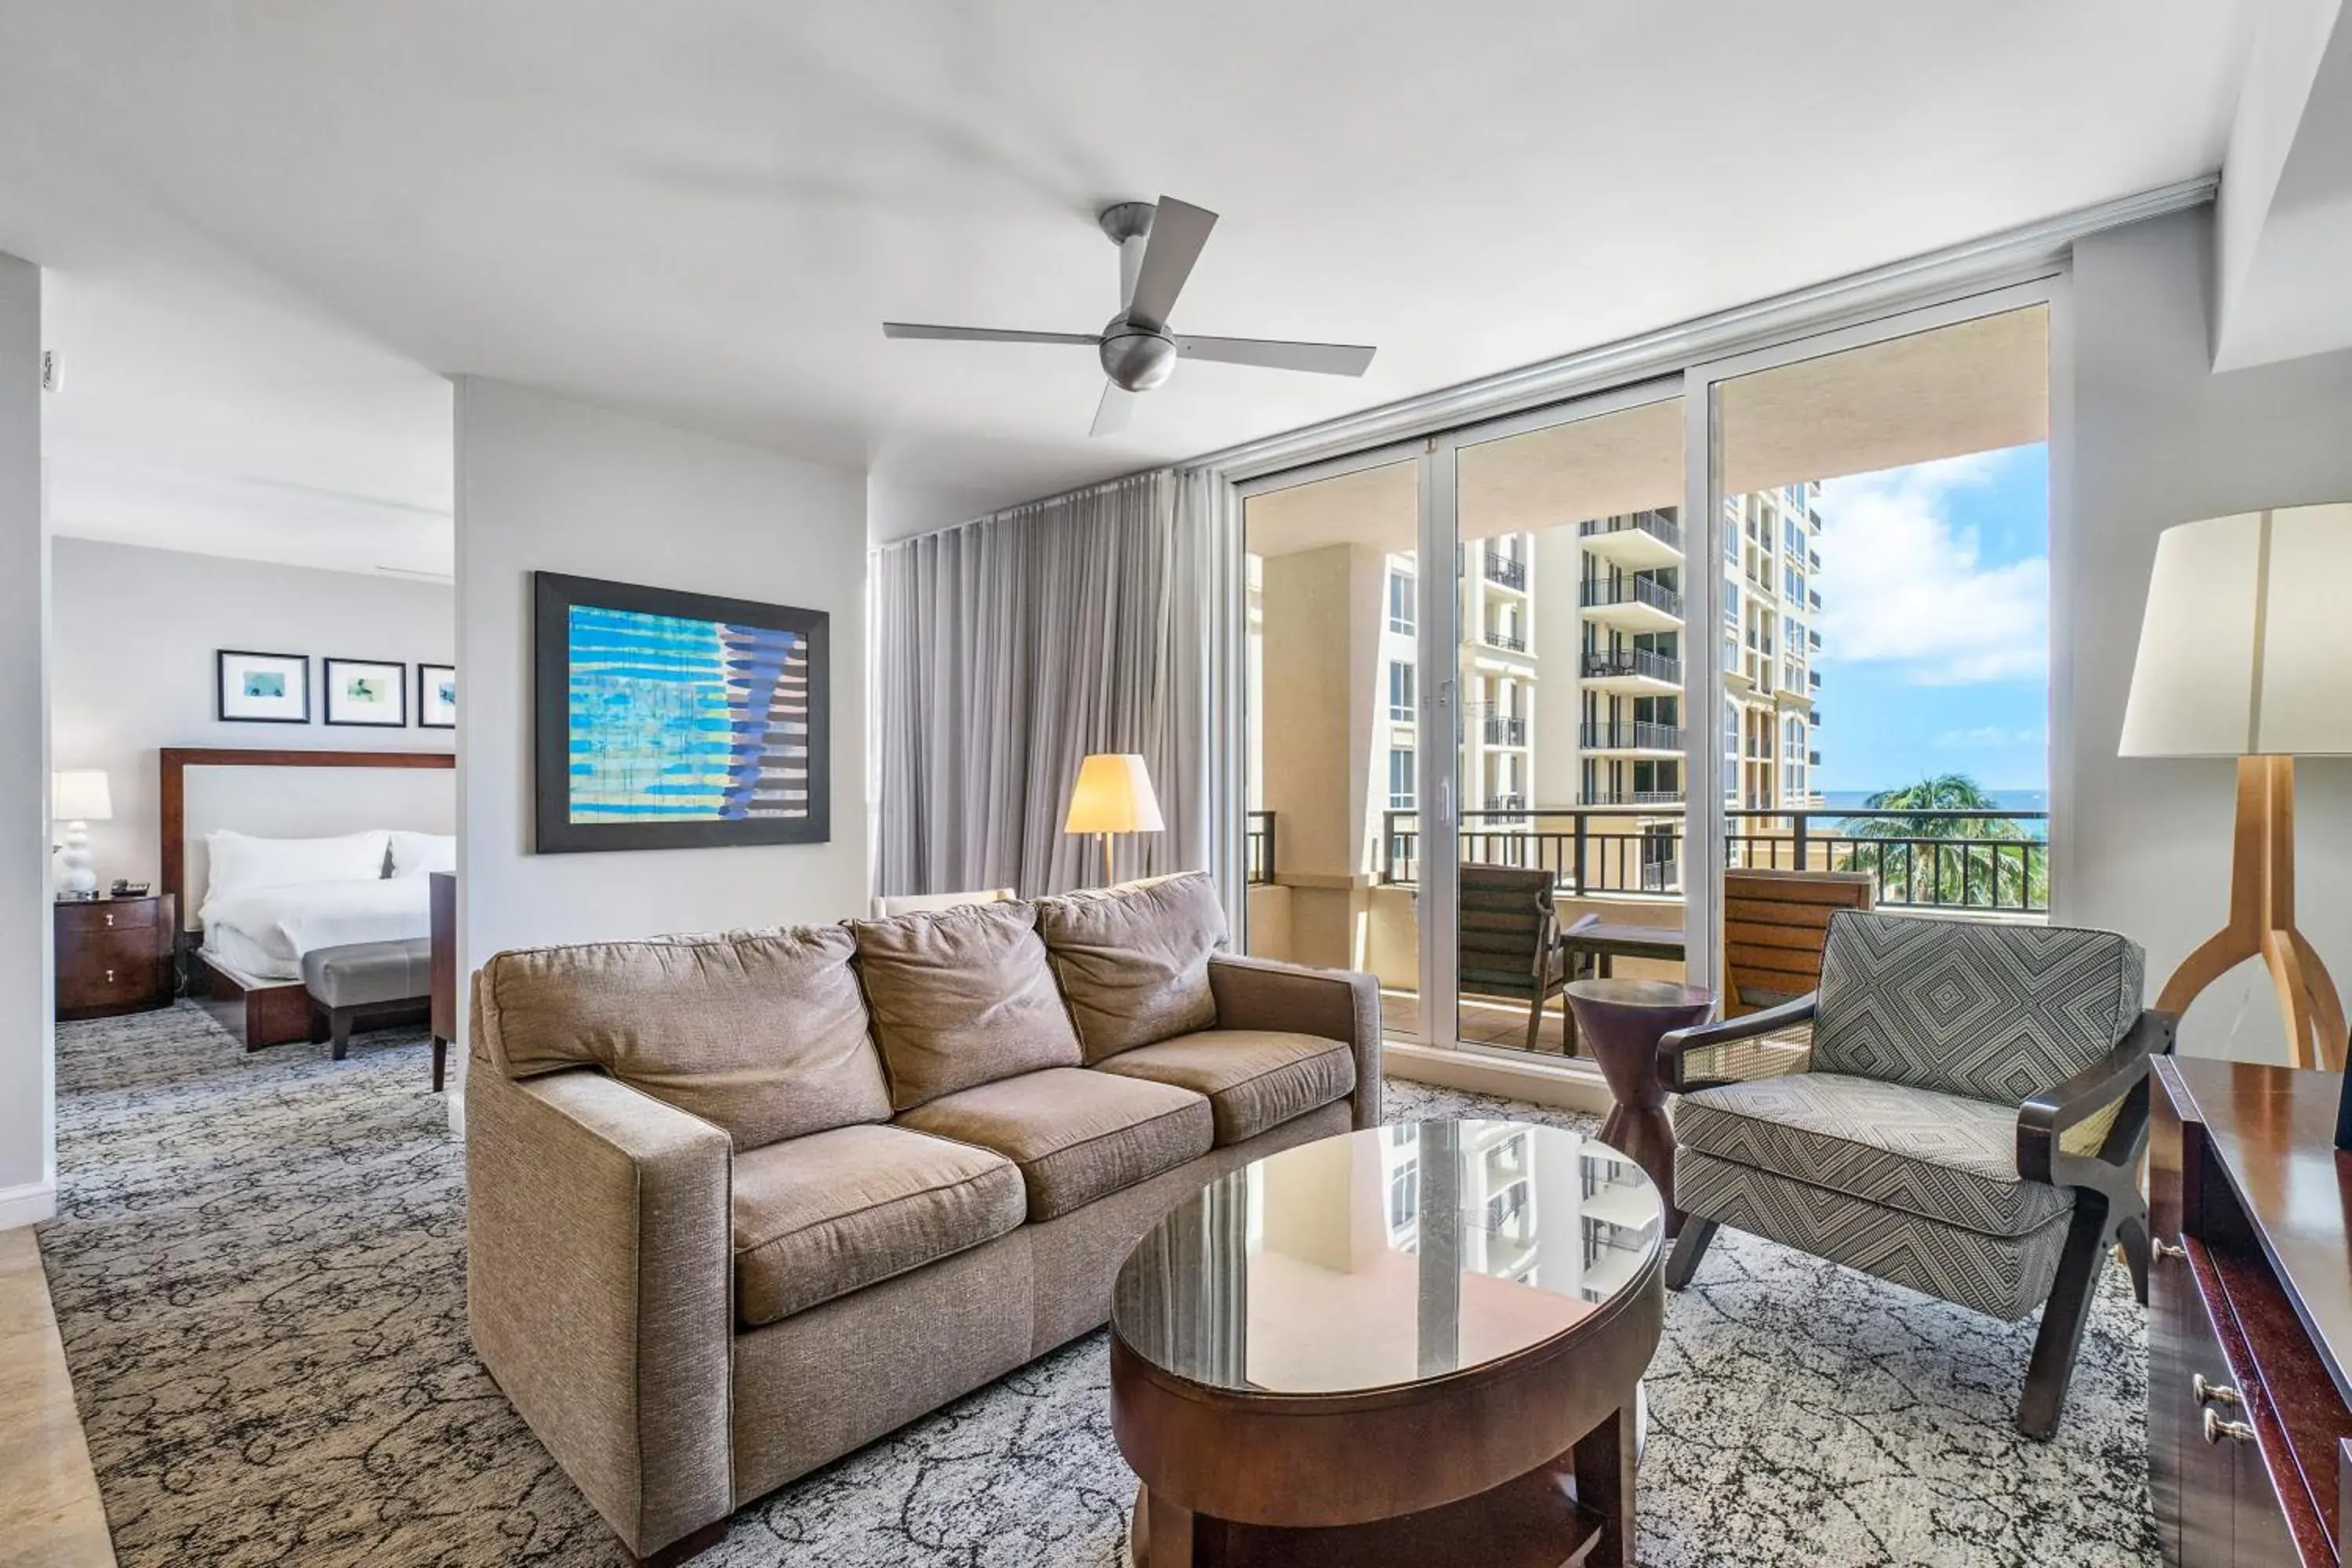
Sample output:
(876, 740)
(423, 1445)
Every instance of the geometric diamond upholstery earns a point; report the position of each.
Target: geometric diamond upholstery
(1984, 1011)
(1937, 1156)
(2004, 1276)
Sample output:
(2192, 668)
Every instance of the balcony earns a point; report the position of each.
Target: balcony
(1637, 672)
(1510, 574)
(1495, 637)
(1503, 729)
(1672, 797)
(1257, 848)
(1663, 740)
(1964, 862)
(1812, 638)
(1813, 679)
(1631, 603)
(1814, 598)
(1636, 541)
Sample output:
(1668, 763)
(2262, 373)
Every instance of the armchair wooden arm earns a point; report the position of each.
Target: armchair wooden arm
(1675, 1051)
(2043, 1121)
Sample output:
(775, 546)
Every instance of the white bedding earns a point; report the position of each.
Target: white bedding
(265, 932)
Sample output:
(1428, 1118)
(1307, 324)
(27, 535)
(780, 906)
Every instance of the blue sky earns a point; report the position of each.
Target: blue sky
(1935, 586)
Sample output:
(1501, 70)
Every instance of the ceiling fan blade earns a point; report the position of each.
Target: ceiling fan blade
(1323, 359)
(1110, 414)
(984, 334)
(1179, 230)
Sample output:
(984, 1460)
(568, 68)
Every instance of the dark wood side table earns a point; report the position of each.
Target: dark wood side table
(1623, 1022)
(114, 955)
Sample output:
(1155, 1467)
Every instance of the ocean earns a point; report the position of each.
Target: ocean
(2006, 799)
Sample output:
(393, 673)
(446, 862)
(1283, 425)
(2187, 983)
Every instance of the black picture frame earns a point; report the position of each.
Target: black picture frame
(554, 595)
(399, 683)
(221, 658)
(425, 673)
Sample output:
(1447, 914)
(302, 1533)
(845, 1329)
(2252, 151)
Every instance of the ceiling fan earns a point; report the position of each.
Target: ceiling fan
(1158, 244)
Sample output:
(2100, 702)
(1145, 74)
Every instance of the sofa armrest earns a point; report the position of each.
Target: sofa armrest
(1736, 1050)
(599, 1291)
(1337, 1004)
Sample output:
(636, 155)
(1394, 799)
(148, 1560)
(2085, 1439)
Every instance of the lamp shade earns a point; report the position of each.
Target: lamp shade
(79, 794)
(1113, 795)
(2246, 646)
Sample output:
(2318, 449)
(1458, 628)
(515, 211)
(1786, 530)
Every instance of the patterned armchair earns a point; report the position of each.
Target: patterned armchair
(1970, 1124)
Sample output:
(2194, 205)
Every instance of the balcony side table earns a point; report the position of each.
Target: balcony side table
(1624, 1020)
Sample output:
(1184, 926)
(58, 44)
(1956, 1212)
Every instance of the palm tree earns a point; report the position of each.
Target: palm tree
(1914, 865)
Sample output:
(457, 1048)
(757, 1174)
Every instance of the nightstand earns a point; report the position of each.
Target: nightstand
(114, 955)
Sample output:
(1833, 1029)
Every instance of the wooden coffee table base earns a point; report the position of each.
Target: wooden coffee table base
(1574, 1510)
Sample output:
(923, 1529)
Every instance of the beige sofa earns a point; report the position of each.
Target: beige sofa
(740, 1204)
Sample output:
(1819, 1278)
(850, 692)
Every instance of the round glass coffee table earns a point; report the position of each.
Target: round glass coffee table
(1413, 1344)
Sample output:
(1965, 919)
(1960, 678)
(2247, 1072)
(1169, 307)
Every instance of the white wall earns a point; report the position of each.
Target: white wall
(2159, 439)
(27, 1143)
(547, 485)
(133, 667)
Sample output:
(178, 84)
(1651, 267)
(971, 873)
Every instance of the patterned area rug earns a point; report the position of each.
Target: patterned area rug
(259, 1269)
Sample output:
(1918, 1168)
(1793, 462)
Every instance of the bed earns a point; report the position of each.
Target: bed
(273, 859)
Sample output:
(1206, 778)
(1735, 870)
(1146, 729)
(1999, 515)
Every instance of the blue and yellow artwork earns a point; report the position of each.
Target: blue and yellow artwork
(677, 719)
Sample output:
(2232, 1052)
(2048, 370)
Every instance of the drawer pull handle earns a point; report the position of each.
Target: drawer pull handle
(109, 920)
(109, 977)
(2217, 1428)
(2212, 1393)
(2164, 1249)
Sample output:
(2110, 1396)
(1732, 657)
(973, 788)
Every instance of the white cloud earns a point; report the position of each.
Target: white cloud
(1902, 585)
(1987, 737)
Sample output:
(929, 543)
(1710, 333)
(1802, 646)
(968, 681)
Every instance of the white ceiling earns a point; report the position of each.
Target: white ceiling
(269, 229)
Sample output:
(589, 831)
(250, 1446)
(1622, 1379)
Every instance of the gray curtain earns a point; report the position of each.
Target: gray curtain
(1007, 649)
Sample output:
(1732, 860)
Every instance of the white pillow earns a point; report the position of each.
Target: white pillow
(415, 854)
(239, 863)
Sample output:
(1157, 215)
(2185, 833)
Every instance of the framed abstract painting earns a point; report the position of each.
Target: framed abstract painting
(366, 693)
(262, 687)
(666, 719)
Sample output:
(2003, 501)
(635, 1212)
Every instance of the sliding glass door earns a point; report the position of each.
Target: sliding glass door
(1521, 695)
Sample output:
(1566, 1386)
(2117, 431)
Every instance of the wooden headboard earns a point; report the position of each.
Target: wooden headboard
(177, 760)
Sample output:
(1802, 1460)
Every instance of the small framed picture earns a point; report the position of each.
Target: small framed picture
(364, 692)
(262, 687)
(436, 696)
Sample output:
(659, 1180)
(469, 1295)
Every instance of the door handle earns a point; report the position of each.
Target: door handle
(2216, 1428)
(2164, 1249)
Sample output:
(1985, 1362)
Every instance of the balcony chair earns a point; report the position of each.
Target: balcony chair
(1510, 942)
(931, 903)
(1968, 1121)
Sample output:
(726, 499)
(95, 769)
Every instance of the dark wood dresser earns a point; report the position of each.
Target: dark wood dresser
(2250, 1315)
(114, 955)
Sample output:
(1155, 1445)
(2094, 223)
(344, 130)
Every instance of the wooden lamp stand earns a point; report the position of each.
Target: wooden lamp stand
(2262, 921)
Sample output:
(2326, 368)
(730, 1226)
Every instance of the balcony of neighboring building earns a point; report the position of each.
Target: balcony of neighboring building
(1632, 738)
(1631, 603)
(1505, 729)
(1505, 571)
(1636, 541)
(1633, 672)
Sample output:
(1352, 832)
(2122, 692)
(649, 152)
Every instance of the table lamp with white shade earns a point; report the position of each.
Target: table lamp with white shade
(78, 797)
(1113, 795)
(2246, 652)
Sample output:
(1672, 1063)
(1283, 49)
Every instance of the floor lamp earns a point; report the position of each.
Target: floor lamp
(2246, 652)
(1113, 795)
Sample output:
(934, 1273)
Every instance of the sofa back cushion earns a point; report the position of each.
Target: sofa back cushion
(762, 1034)
(1133, 961)
(1997, 1013)
(961, 998)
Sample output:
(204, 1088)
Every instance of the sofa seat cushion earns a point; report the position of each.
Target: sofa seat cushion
(2006, 1276)
(1134, 960)
(819, 1216)
(961, 998)
(1076, 1134)
(1940, 1156)
(1254, 1078)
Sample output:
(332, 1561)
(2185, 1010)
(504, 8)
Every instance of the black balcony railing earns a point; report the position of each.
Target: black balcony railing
(1495, 637)
(1501, 568)
(1598, 593)
(1505, 731)
(1657, 525)
(1630, 737)
(1637, 797)
(1257, 848)
(1632, 662)
(1985, 861)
